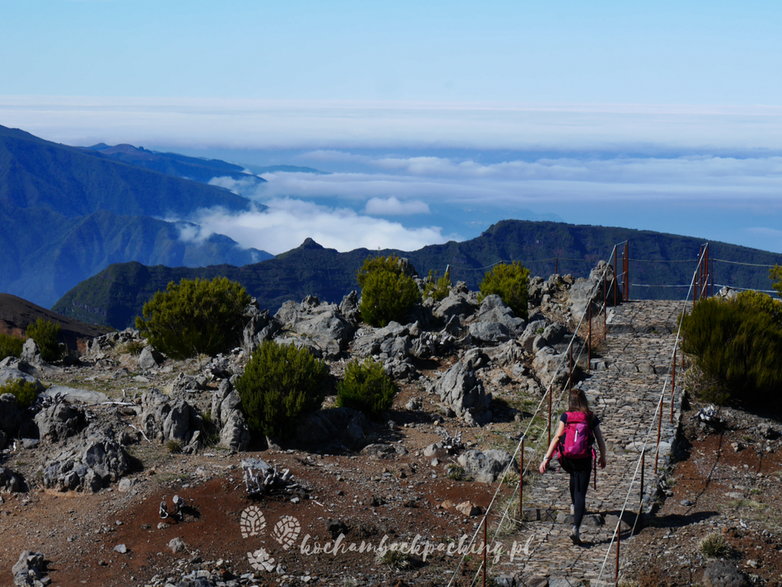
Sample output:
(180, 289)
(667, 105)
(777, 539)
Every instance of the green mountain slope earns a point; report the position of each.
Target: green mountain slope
(117, 294)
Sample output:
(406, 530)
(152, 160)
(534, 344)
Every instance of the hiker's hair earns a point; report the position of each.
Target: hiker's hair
(578, 401)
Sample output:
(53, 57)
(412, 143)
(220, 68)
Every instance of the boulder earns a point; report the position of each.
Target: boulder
(149, 358)
(11, 415)
(10, 481)
(92, 463)
(722, 573)
(550, 367)
(13, 371)
(31, 353)
(235, 434)
(486, 467)
(59, 421)
(333, 430)
(184, 384)
(260, 326)
(348, 307)
(30, 567)
(495, 322)
(589, 290)
(459, 303)
(461, 390)
(167, 419)
(316, 325)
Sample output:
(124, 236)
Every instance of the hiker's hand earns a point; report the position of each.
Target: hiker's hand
(602, 461)
(543, 466)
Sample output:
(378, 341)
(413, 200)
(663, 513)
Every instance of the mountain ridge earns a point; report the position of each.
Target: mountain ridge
(68, 212)
(542, 246)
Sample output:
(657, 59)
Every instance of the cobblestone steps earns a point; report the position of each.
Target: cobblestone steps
(635, 368)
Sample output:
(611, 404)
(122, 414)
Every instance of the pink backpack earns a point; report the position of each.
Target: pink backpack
(578, 436)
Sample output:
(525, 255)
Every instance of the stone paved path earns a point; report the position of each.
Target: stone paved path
(625, 393)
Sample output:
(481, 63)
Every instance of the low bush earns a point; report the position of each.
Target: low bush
(388, 290)
(26, 393)
(436, 287)
(715, 546)
(366, 387)
(195, 316)
(280, 383)
(737, 344)
(46, 335)
(510, 281)
(10, 346)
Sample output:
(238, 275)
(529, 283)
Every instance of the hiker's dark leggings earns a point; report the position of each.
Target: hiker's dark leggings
(579, 483)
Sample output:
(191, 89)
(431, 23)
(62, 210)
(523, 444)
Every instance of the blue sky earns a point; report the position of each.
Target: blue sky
(437, 118)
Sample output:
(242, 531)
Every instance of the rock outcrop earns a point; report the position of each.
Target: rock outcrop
(461, 390)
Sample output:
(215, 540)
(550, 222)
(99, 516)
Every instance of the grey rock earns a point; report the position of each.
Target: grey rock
(167, 419)
(30, 567)
(121, 548)
(11, 415)
(184, 384)
(334, 429)
(260, 326)
(75, 395)
(316, 325)
(149, 358)
(176, 545)
(487, 466)
(30, 352)
(60, 421)
(461, 390)
(13, 372)
(10, 481)
(457, 304)
(235, 434)
(722, 573)
(348, 307)
(383, 451)
(495, 322)
(93, 463)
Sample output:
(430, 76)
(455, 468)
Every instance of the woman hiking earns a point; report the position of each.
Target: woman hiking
(578, 428)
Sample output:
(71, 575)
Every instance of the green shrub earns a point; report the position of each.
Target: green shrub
(25, 392)
(46, 335)
(511, 283)
(776, 274)
(388, 290)
(195, 316)
(715, 546)
(280, 383)
(366, 387)
(437, 288)
(10, 346)
(738, 344)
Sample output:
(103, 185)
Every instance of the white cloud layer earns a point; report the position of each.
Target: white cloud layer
(287, 222)
(329, 124)
(395, 207)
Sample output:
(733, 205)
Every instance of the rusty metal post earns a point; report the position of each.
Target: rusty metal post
(626, 272)
(605, 309)
(613, 266)
(643, 472)
(485, 538)
(659, 433)
(673, 383)
(521, 481)
(618, 544)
